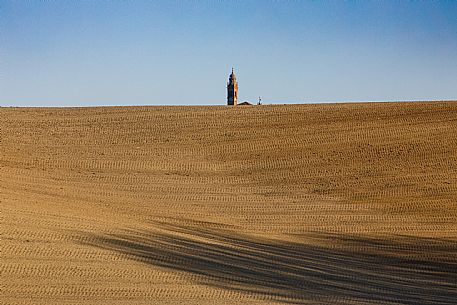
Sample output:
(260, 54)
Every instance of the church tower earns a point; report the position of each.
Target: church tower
(232, 90)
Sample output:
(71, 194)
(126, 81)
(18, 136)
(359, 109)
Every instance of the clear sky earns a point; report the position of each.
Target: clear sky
(82, 53)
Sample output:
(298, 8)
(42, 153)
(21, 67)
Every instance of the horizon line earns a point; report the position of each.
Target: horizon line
(225, 105)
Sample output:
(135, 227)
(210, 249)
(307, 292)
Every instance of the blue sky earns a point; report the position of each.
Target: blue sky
(83, 53)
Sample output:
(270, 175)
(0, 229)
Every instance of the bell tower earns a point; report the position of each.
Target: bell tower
(232, 90)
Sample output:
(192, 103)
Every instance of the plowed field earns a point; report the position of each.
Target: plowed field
(298, 204)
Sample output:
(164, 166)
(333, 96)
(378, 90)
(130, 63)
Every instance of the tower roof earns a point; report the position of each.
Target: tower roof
(232, 75)
(232, 78)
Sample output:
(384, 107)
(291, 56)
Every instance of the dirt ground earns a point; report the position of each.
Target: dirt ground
(301, 204)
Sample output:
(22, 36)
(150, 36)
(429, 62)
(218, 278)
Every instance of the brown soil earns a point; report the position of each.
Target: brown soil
(305, 204)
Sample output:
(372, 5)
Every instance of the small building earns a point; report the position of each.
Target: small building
(245, 103)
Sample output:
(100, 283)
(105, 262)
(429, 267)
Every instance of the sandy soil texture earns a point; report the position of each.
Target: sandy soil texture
(297, 204)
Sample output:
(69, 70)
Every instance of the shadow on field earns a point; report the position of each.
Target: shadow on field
(404, 270)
